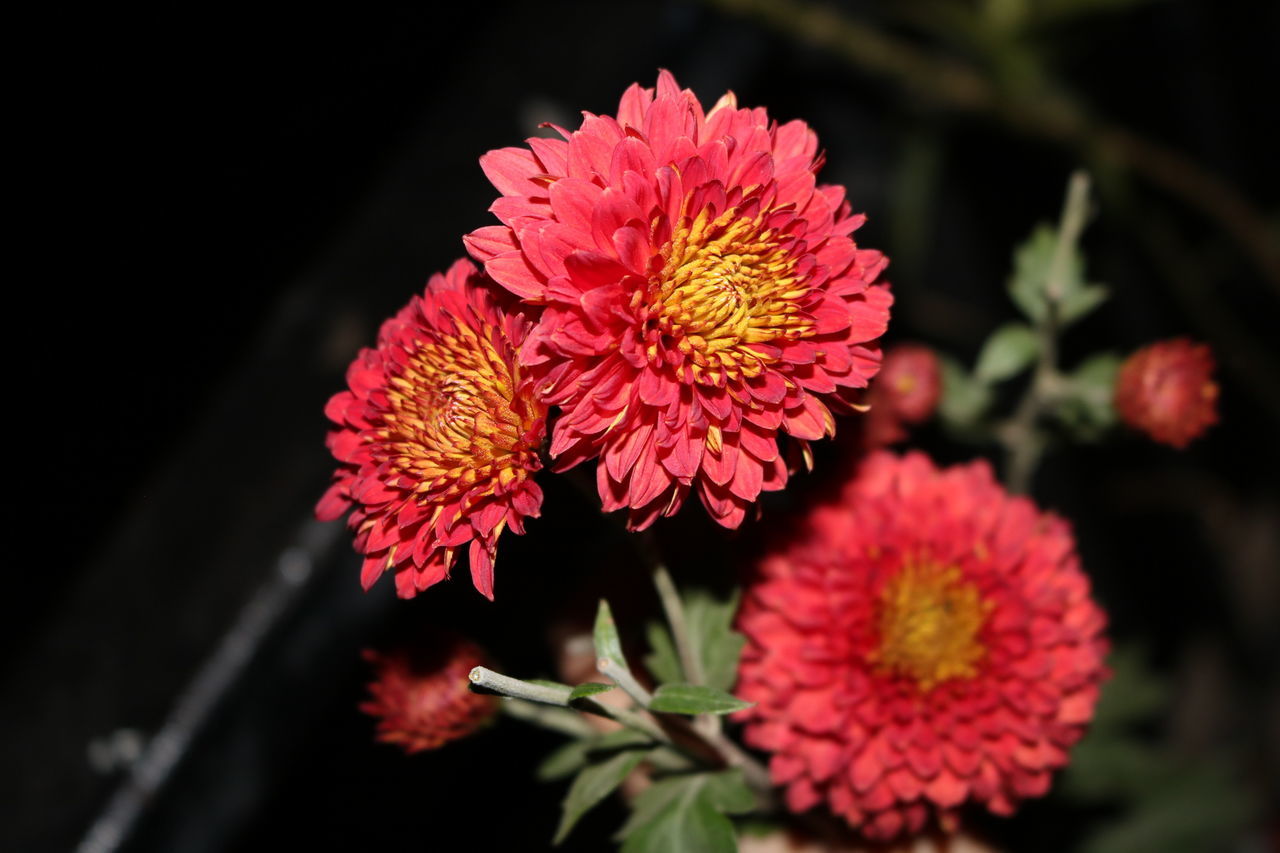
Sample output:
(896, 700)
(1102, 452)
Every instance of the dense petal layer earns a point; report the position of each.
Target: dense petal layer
(699, 293)
(921, 640)
(437, 436)
(1166, 390)
(420, 694)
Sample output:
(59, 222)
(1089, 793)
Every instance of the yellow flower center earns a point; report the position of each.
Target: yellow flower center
(728, 282)
(929, 618)
(454, 416)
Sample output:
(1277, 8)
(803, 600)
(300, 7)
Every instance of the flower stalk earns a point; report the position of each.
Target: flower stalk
(1023, 441)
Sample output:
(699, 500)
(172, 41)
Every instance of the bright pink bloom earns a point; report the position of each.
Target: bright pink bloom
(1167, 391)
(906, 392)
(700, 293)
(438, 436)
(921, 641)
(421, 695)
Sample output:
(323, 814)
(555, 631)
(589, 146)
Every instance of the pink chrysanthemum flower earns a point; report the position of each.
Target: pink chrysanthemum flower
(421, 695)
(1166, 390)
(700, 293)
(438, 436)
(925, 640)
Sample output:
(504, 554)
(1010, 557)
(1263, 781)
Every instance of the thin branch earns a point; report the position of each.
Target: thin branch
(1044, 113)
(556, 719)
(505, 685)
(624, 679)
(495, 682)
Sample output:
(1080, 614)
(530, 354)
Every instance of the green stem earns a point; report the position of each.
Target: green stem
(1023, 441)
(505, 685)
(674, 610)
(496, 682)
(624, 679)
(555, 719)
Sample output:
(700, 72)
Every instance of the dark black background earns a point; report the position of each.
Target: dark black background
(222, 206)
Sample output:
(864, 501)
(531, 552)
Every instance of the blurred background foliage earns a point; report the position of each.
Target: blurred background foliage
(241, 195)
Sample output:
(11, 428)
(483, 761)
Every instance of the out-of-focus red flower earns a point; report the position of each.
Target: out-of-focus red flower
(438, 436)
(922, 641)
(420, 694)
(699, 291)
(906, 392)
(1167, 391)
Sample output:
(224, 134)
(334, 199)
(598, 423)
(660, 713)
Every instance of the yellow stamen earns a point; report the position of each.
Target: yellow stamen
(454, 420)
(728, 282)
(929, 620)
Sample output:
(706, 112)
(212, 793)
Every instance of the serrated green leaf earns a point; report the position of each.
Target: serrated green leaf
(1031, 262)
(1086, 407)
(575, 755)
(692, 826)
(964, 399)
(1010, 350)
(716, 645)
(1081, 302)
(591, 688)
(593, 784)
(663, 662)
(729, 793)
(695, 699)
(608, 645)
(621, 739)
(675, 814)
(565, 761)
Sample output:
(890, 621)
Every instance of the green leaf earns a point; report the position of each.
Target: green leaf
(687, 826)
(964, 399)
(592, 785)
(729, 793)
(1032, 263)
(663, 662)
(606, 636)
(575, 755)
(591, 688)
(687, 813)
(1010, 350)
(620, 739)
(715, 644)
(565, 761)
(1081, 302)
(1086, 407)
(695, 699)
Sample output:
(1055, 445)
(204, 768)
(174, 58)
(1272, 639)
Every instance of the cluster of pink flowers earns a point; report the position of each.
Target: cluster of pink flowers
(672, 280)
(671, 294)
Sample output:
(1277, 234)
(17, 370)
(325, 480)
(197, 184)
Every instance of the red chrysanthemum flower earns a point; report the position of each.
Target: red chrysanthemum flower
(438, 436)
(700, 292)
(421, 695)
(925, 641)
(906, 392)
(1167, 391)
